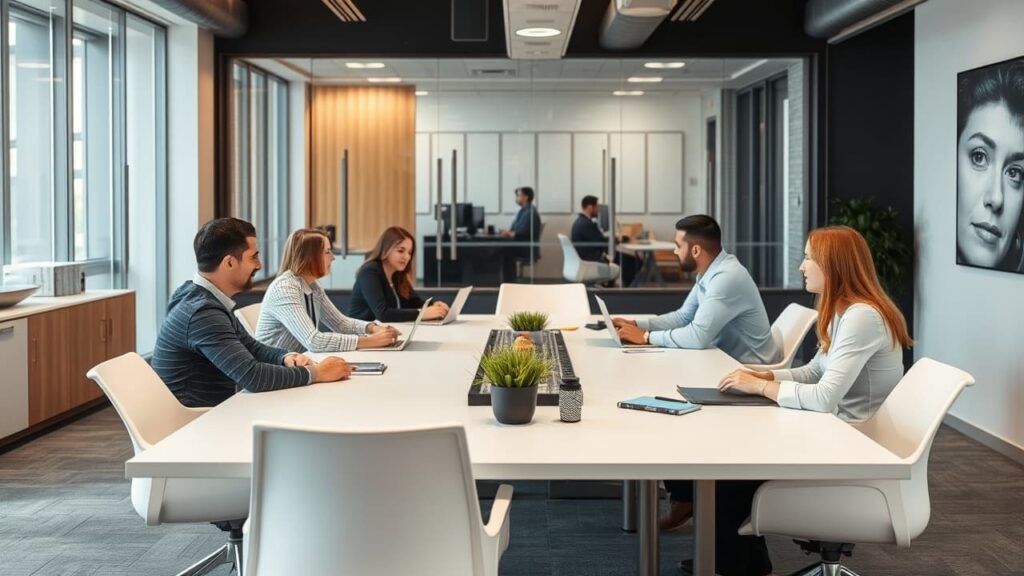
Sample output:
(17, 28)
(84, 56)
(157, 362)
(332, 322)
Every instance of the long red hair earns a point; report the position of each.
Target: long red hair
(850, 278)
(391, 238)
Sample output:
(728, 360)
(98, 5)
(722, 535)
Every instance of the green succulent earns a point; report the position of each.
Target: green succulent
(881, 229)
(511, 368)
(528, 321)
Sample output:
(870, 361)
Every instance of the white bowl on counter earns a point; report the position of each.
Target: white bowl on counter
(11, 294)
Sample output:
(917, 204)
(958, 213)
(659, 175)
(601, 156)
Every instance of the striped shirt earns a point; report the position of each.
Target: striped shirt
(203, 354)
(290, 314)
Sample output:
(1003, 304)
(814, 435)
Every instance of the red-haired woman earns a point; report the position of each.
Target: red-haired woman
(383, 290)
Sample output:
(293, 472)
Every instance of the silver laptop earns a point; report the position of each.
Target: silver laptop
(453, 312)
(401, 343)
(611, 327)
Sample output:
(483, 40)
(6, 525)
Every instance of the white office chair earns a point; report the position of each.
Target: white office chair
(575, 269)
(789, 331)
(828, 517)
(249, 317)
(566, 303)
(399, 501)
(150, 413)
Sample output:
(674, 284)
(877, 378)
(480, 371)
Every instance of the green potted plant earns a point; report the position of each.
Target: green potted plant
(513, 375)
(881, 229)
(528, 321)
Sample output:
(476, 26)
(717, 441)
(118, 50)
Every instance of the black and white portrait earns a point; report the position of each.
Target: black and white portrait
(990, 166)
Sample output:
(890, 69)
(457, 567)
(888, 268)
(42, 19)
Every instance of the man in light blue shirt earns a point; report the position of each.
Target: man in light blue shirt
(724, 309)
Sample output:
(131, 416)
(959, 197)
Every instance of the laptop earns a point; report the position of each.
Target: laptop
(611, 327)
(401, 343)
(715, 397)
(453, 312)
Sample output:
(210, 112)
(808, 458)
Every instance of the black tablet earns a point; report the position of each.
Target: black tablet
(715, 397)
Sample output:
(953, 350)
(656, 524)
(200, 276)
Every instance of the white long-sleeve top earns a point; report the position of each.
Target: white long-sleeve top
(285, 321)
(854, 377)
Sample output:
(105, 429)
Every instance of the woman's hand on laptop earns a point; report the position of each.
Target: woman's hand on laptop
(620, 322)
(380, 336)
(436, 311)
(744, 381)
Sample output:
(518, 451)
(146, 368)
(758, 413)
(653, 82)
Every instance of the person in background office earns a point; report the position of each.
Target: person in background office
(295, 304)
(383, 289)
(526, 225)
(858, 364)
(591, 242)
(724, 308)
(202, 353)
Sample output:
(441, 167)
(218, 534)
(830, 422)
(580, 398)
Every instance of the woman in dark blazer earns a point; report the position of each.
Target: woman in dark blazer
(383, 289)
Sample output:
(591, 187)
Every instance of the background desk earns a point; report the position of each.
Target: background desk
(480, 260)
(645, 251)
(427, 384)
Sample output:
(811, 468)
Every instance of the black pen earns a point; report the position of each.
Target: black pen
(671, 399)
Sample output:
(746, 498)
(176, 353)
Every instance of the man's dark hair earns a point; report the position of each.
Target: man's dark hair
(527, 191)
(588, 201)
(702, 230)
(220, 237)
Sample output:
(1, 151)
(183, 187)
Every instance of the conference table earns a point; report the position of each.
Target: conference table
(428, 382)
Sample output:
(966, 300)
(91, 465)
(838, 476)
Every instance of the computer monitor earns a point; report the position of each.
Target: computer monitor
(478, 218)
(603, 217)
(463, 216)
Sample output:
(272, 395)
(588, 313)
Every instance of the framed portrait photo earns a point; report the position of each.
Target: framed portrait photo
(990, 166)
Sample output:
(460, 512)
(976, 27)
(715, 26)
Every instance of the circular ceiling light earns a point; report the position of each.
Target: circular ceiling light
(537, 32)
(664, 65)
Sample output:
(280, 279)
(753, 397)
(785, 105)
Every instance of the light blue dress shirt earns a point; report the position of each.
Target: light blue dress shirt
(724, 310)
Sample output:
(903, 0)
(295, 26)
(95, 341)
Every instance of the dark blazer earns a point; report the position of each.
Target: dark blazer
(586, 231)
(373, 298)
(202, 353)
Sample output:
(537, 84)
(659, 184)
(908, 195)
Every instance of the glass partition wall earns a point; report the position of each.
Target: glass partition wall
(441, 147)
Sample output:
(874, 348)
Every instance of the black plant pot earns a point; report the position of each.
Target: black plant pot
(513, 405)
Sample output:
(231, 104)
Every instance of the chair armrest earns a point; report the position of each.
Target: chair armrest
(498, 520)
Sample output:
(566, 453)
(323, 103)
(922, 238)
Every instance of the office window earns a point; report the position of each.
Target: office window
(259, 158)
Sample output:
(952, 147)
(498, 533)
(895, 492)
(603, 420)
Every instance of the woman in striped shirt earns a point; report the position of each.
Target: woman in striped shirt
(295, 304)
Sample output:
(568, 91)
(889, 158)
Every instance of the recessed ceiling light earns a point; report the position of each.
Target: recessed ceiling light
(645, 79)
(422, 93)
(664, 65)
(628, 93)
(364, 65)
(537, 32)
(390, 79)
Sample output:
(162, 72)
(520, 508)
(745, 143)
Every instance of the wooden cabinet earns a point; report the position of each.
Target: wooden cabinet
(65, 343)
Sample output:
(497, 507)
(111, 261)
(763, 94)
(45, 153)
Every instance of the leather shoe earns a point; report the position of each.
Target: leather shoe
(677, 516)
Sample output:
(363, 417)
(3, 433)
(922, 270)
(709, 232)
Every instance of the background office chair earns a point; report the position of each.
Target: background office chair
(565, 303)
(397, 501)
(150, 413)
(574, 269)
(789, 331)
(828, 517)
(249, 316)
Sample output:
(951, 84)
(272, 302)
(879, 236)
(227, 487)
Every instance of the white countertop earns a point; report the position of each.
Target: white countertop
(39, 304)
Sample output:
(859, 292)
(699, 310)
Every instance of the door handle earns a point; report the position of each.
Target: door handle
(437, 212)
(9, 329)
(452, 216)
(343, 176)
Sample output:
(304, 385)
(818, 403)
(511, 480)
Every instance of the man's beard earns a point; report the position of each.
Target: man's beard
(248, 282)
(688, 264)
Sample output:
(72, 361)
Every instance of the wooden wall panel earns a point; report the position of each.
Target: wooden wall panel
(377, 124)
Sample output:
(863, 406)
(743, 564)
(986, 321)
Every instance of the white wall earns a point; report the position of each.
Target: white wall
(970, 318)
(190, 174)
(558, 112)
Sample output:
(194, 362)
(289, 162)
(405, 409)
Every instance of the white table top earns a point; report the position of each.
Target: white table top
(428, 383)
(652, 246)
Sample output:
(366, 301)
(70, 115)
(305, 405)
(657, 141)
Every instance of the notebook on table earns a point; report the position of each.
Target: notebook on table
(652, 404)
(715, 397)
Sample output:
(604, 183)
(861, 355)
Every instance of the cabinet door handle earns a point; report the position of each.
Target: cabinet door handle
(7, 329)
(110, 328)
(35, 349)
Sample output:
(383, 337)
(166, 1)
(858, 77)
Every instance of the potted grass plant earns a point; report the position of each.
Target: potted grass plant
(528, 321)
(513, 375)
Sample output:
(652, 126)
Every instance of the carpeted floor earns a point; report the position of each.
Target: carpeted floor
(65, 510)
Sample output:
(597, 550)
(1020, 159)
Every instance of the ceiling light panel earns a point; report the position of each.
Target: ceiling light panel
(628, 93)
(645, 79)
(558, 16)
(664, 65)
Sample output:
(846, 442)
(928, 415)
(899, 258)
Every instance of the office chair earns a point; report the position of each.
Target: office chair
(396, 501)
(829, 517)
(150, 413)
(789, 331)
(249, 317)
(575, 269)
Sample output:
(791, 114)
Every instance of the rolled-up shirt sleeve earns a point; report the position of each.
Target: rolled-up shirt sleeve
(812, 388)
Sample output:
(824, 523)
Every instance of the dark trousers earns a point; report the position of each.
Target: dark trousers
(735, 555)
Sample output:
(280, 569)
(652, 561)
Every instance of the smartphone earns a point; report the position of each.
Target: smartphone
(368, 367)
(599, 325)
